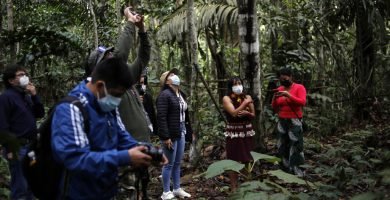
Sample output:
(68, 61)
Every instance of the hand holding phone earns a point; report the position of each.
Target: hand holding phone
(282, 93)
(276, 92)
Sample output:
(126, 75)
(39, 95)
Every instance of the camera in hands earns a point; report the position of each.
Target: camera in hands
(155, 152)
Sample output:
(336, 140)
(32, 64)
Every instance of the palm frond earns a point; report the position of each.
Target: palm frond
(207, 15)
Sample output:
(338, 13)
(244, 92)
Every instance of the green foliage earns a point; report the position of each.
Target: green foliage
(289, 178)
(208, 15)
(221, 166)
(349, 163)
(4, 178)
(385, 174)
(251, 188)
(258, 156)
(341, 165)
(10, 141)
(316, 38)
(41, 42)
(248, 194)
(319, 97)
(369, 196)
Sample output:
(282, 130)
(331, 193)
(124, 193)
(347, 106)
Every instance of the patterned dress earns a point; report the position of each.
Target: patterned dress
(239, 134)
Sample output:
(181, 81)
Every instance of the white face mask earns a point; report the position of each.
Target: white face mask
(143, 87)
(237, 89)
(24, 81)
(175, 80)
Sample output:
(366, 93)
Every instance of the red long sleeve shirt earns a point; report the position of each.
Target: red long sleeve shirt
(290, 107)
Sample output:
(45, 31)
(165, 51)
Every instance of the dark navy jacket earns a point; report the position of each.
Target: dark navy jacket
(168, 116)
(19, 111)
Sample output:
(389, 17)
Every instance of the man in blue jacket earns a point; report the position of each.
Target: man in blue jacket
(92, 159)
(20, 106)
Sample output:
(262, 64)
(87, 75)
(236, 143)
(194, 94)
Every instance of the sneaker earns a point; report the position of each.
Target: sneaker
(167, 195)
(181, 193)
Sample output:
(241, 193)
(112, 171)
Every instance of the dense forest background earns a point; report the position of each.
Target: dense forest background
(339, 49)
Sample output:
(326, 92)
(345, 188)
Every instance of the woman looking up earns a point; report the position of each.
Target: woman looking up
(172, 117)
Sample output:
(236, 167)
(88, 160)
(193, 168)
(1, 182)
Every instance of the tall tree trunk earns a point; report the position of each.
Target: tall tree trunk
(193, 43)
(118, 9)
(1, 16)
(274, 38)
(1, 32)
(95, 31)
(364, 61)
(320, 54)
(218, 58)
(250, 60)
(10, 24)
(185, 59)
(275, 58)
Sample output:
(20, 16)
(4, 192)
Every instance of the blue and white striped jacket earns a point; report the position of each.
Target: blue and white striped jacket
(92, 159)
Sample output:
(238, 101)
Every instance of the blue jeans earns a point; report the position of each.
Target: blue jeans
(172, 169)
(18, 185)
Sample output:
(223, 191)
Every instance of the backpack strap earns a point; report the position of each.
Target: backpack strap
(76, 101)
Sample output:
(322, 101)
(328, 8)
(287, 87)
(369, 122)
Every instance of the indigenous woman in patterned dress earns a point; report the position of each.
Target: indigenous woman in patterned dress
(239, 111)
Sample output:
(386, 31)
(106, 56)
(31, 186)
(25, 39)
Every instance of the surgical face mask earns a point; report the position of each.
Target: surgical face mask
(286, 83)
(24, 81)
(109, 102)
(237, 89)
(143, 87)
(175, 80)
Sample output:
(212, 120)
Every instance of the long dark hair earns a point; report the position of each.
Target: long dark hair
(230, 84)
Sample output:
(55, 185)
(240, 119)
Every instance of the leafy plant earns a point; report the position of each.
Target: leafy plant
(4, 178)
(251, 188)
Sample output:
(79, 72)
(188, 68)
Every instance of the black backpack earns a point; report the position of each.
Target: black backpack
(42, 172)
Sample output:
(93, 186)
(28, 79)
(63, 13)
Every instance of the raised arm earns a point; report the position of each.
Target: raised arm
(125, 42)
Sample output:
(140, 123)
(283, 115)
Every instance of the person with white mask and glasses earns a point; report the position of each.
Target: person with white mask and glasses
(239, 110)
(20, 106)
(172, 119)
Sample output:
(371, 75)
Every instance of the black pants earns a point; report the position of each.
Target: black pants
(143, 177)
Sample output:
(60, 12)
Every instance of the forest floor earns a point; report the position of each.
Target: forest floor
(354, 160)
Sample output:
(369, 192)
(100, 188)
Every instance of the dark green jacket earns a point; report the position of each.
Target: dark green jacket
(133, 116)
(131, 109)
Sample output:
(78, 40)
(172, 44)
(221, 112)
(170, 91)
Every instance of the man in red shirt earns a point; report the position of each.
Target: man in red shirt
(288, 100)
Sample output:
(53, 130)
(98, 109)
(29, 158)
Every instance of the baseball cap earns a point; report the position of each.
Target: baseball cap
(96, 56)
